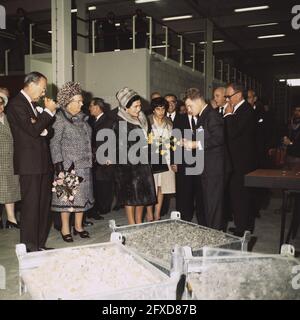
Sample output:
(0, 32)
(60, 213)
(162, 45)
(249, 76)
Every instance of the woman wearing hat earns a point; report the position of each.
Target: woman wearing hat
(9, 183)
(71, 147)
(134, 182)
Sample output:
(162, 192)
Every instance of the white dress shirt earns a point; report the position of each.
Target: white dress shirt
(37, 110)
(171, 115)
(98, 117)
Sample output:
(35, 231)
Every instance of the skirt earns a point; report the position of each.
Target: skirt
(9, 189)
(166, 181)
(84, 198)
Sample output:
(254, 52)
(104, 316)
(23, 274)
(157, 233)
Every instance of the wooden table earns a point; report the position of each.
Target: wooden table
(275, 179)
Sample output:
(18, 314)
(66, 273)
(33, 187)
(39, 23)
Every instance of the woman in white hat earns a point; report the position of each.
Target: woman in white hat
(9, 182)
(135, 186)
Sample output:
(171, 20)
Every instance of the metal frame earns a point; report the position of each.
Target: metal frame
(166, 42)
(181, 50)
(93, 37)
(150, 34)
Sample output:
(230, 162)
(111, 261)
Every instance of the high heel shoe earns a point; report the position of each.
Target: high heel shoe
(82, 234)
(67, 238)
(11, 225)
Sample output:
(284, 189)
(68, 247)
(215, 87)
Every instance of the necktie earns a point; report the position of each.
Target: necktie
(222, 110)
(193, 125)
(170, 117)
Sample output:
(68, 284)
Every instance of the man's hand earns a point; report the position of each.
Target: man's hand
(229, 108)
(286, 141)
(174, 168)
(50, 104)
(188, 144)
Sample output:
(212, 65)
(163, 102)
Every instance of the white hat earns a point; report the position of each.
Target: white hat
(4, 98)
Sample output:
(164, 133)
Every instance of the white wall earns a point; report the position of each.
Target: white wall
(166, 76)
(43, 64)
(107, 72)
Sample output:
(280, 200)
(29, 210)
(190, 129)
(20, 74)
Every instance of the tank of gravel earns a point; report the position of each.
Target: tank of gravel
(230, 275)
(106, 271)
(154, 241)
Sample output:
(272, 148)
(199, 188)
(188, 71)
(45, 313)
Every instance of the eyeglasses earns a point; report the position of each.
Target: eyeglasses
(228, 97)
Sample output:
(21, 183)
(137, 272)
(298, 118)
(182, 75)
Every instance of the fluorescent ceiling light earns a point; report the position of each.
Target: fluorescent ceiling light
(283, 54)
(271, 36)
(263, 25)
(281, 80)
(50, 31)
(192, 32)
(73, 10)
(187, 16)
(117, 24)
(214, 41)
(188, 61)
(293, 82)
(92, 8)
(251, 9)
(145, 1)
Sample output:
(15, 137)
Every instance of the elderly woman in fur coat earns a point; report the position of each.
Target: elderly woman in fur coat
(71, 148)
(135, 186)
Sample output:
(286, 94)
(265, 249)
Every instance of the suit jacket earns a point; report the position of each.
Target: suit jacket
(240, 134)
(213, 127)
(103, 172)
(31, 150)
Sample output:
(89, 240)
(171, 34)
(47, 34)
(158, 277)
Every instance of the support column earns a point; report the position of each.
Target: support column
(61, 41)
(209, 60)
(82, 27)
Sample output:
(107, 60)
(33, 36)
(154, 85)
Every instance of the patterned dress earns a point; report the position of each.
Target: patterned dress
(9, 183)
(71, 144)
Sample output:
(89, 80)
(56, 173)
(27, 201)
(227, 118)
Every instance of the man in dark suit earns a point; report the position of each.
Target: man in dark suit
(211, 181)
(172, 113)
(102, 173)
(32, 158)
(240, 134)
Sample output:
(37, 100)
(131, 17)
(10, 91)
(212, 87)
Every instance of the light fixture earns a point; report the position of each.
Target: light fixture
(50, 31)
(283, 54)
(159, 46)
(293, 82)
(271, 36)
(117, 24)
(145, 1)
(192, 32)
(188, 61)
(214, 41)
(187, 16)
(92, 8)
(116, 50)
(73, 10)
(282, 80)
(251, 9)
(263, 25)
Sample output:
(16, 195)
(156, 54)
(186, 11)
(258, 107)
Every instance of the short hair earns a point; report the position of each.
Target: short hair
(159, 102)
(193, 93)
(155, 93)
(132, 100)
(171, 95)
(252, 91)
(238, 87)
(219, 88)
(33, 77)
(100, 102)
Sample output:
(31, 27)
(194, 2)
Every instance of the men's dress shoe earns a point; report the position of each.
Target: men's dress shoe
(97, 216)
(82, 234)
(11, 225)
(45, 248)
(87, 223)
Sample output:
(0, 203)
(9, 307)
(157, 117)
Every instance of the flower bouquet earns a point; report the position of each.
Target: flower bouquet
(66, 185)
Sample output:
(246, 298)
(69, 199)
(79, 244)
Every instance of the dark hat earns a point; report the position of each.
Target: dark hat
(67, 92)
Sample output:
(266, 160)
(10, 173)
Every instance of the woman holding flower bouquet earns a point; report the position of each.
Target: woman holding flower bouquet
(161, 144)
(134, 182)
(72, 157)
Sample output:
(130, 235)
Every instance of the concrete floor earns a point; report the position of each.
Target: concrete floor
(266, 235)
